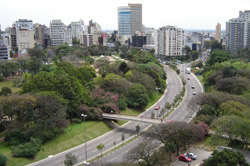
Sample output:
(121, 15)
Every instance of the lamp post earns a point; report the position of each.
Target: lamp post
(157, 103)
(86, 162)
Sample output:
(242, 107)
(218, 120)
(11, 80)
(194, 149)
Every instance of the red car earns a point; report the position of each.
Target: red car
(157, 107)
(184, 158)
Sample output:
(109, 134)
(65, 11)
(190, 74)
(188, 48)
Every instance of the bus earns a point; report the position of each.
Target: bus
(188, 70)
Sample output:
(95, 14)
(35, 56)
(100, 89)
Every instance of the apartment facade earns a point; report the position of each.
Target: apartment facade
(87, 40)
(218, 32)
(238, 32)
(4, 51)
(24, 34)
(57, 32)
(77, 29)
(129, 19)
(170, 41)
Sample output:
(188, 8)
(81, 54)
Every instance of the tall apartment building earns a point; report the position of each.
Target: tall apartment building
(87, 40)
(77, 29)
(39, 34)
(57, 34)
(68, 36)
(218, 32)
(24, 34)
(129, 19)
(170, 41)
(238, 32)
(4, 51)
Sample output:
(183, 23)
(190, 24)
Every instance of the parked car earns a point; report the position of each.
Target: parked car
(194, 93)
(192, 87)
(191, 155)
(157, 107)
(188, 78)
(184, 158)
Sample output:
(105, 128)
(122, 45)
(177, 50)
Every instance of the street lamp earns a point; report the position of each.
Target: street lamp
(157, 103)
(86, 162)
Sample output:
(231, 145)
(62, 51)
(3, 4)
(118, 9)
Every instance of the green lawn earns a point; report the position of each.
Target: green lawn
(10, 85)
(155, 97)
(200, 77)
(135, 112)
(121, 122)
(131, 112)
(72, 137)
(215, 141)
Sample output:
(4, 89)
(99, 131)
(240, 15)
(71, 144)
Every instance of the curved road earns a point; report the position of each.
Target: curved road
(128, 130)
(181, 113)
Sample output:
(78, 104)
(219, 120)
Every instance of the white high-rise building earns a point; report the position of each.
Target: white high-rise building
(68, 36)
(77, 29)
(57, 32)
(238, 32)
(24, 34)
(170, 41)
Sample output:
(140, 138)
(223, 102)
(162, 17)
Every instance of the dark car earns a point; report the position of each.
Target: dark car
(188, 78)
(192, 87)
(184, 158)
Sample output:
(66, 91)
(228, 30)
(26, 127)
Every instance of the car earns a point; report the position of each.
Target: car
(188, 78)
(191, 155)
(192, 87)
(194, 93)
(184, 158)
(157, 107)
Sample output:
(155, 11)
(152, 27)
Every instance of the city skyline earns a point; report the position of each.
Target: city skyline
(187, 15)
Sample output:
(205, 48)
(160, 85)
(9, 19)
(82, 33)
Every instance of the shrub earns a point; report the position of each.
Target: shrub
(16, 137)
(28, 149)
(3, 160)
(1, 78)
(76, 120)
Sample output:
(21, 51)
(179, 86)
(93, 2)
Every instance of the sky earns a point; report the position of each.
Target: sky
(186, 14)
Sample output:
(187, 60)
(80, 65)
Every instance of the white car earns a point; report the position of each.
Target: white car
(191, 155)
(194, 93)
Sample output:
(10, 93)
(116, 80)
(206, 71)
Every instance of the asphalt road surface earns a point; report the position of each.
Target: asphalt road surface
(181, 113)
(128, 130)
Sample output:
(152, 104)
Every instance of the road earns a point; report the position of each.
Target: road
(181, 113)
(128, 130)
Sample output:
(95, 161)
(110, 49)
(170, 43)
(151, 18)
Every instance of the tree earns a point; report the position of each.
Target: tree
(145, 154)
(5, 91)
(70, 159)
(188, 50)
(227, 157)
(137, 128)
(152, 51)
(3, 160)
(123, 137)
(175, 135)
(218, 56)
(227, 125)
(195, 55)
(123, 67)
(216, 45)
(137, 96)
(100, 147)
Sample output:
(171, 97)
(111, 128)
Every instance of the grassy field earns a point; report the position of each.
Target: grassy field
(121, 122)
(9, 84)
(135, 112)
(214, 141)
(200, 77)
(155, 97)
(72, 137)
